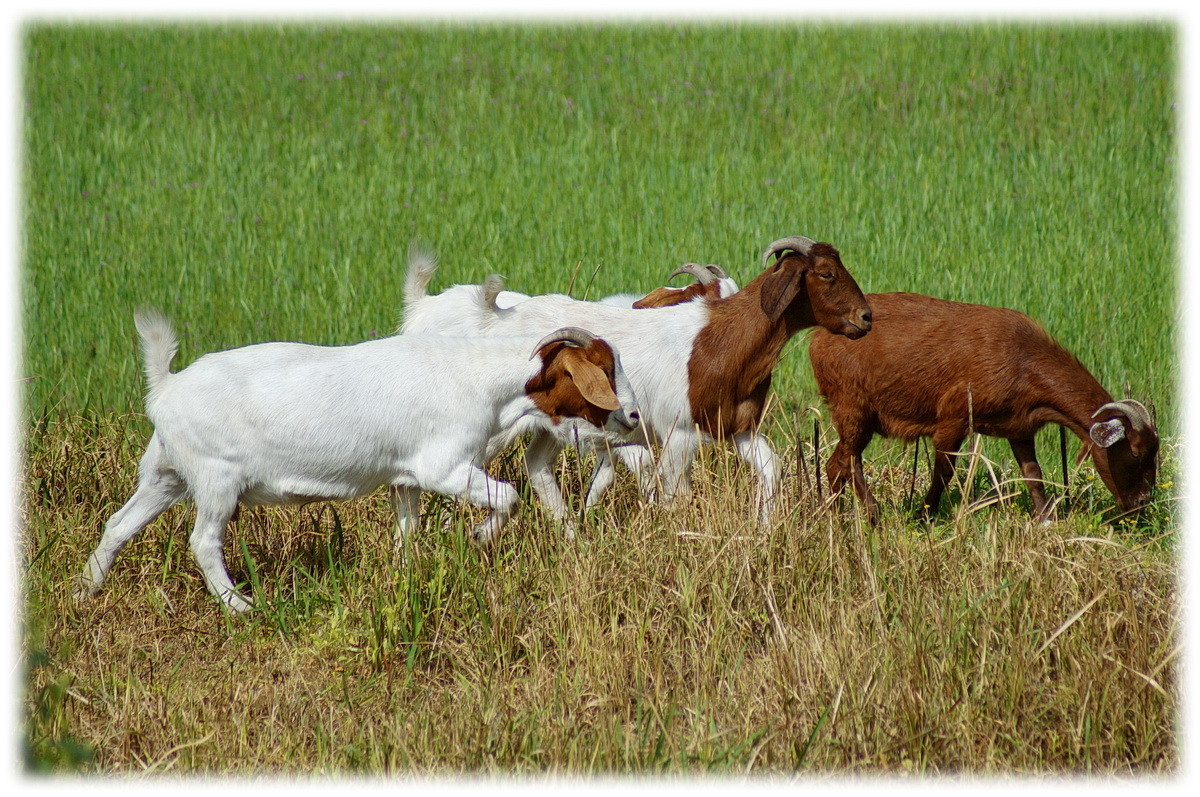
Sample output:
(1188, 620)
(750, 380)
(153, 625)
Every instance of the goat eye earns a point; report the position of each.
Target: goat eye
(828, 276)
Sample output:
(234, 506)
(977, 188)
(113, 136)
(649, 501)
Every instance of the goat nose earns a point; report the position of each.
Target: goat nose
(635, 417)
(866, 317)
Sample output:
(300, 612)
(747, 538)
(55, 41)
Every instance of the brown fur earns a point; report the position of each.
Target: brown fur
(937, 368)
(729, 373)
(666, 297)
(554, 390)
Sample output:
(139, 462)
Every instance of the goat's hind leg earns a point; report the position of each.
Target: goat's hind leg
(406, 503)
(159, 488)
(214, 510)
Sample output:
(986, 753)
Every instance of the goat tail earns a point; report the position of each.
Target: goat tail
(158, 347)
(421, 265)
(489, 290)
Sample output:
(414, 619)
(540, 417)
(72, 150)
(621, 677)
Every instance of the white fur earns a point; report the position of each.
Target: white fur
(506, 299)
(279, 423)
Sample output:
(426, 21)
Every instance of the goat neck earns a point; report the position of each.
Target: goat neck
(1119, 435)
(729, 372)
(734, 354)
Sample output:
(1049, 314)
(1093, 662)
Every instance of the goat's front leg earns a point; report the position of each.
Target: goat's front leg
(543, 449)
(756, 450)
(846, 464)
(603, 474)
(946, 442)
(636, 458)
(482, 490)
(1031, 471)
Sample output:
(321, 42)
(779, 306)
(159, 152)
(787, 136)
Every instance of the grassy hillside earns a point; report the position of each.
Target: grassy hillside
(264, 181)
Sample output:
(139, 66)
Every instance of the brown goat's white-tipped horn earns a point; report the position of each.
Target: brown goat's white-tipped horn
(717, 271)
(700, 273)
(795, 243)
(1135, 411)
(572, 336)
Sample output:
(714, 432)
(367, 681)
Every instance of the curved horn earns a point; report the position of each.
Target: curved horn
(700, 273)
(797, 243)
(717, 271)
(1138, 415)
(572, 336)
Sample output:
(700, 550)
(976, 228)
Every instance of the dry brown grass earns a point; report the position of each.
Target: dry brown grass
(681, 642)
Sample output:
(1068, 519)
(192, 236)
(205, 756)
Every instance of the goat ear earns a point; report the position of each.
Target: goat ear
(592, 383)
(779, 289)
(1106, 433)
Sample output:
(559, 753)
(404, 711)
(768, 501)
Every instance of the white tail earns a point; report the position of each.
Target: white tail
(158, 347)
(421, 265)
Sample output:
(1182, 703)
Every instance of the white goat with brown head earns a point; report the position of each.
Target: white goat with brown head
(280, 423)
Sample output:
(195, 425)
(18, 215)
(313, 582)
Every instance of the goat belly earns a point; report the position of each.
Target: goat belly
(293, 490)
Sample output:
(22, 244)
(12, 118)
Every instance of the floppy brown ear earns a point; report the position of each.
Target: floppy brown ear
(779, 289)
(660, 297)
(592, 382)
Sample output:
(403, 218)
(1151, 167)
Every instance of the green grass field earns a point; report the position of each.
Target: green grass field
(264, 181)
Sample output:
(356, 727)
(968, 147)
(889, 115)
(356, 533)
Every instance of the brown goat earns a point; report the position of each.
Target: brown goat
(946, 369)
(729, 371)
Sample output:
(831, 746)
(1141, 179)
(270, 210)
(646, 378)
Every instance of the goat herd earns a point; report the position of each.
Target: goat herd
(476, 366)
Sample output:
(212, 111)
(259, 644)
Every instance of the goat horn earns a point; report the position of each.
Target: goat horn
(701, 273)
(1138, 415)
(796, 243)
(572, 336)
(717, 271)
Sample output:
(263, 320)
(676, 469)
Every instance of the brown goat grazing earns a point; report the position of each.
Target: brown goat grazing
(945, 369)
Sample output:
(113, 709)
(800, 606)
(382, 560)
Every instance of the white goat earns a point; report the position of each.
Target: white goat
(701, 368)
(285, 423)
(711, 281)
(463, 301)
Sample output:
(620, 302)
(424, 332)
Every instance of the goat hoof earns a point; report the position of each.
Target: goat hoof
(85, 589)
(235, 603)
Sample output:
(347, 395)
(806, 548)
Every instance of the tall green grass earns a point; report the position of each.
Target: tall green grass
(264, 181)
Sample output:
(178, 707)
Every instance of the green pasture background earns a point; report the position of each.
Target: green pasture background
(263, 181)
